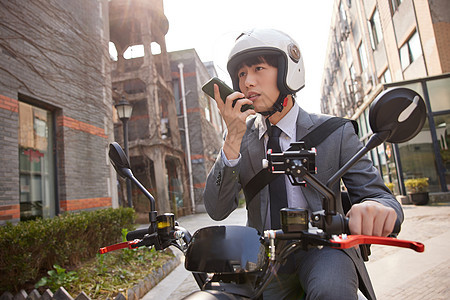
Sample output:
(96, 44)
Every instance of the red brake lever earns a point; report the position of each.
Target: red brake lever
(344, 242)
(129, 245)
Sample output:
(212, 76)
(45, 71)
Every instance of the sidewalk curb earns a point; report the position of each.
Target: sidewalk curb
(151, 280)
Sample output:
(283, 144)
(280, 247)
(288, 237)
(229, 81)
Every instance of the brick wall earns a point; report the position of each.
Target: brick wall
(9, 160)
(54, 55)
(440, 14)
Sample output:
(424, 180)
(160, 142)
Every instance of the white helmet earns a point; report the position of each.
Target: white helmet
(257, 42)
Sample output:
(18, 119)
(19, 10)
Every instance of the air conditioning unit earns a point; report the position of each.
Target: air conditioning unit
(367, 78)
(359, 98)
(345, 29)
(358, 84)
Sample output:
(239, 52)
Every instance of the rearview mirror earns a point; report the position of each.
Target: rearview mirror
(119, 160)
(399, 111)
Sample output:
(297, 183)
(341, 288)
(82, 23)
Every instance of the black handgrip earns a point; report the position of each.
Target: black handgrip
(394, 233)
(137, 234)
(397, 228)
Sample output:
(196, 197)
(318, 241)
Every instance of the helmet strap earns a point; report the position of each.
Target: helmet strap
(278, 106)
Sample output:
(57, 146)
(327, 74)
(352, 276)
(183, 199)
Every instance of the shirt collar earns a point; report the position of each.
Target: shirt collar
(287, 124)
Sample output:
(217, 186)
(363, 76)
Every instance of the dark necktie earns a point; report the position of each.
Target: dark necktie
(277, 188)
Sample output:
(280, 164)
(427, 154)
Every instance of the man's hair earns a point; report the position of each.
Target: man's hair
(271, 60)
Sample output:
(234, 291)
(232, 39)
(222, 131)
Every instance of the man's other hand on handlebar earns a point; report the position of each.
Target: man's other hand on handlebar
(371, 218)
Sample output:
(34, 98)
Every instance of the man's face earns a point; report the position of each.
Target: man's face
(259, 84)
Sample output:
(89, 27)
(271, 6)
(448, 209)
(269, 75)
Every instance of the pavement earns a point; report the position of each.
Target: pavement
(396, 273)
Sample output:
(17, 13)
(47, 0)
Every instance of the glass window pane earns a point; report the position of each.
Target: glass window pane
(342, 11)
(387, 76)
(439, 92)
(404, 56)
(376, 19)
(374, 157)
(36, 163)
(417, 87)
(362, 125)
(415, 47)
(382, 162)
(443, 135)
(391, 174)
(418, 159)
(372, 34)
(363, 57)
(376, 35)
(348, 53)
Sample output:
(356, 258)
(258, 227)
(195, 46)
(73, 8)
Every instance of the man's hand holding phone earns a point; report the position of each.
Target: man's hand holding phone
(235, 109)
(224, 92)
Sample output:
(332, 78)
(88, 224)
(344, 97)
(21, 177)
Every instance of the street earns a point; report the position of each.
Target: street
(396, 273)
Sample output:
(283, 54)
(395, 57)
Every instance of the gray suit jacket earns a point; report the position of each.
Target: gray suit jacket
(363, 181)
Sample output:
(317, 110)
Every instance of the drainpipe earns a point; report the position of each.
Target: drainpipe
(186, 135)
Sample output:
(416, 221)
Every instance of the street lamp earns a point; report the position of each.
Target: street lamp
(124, 111)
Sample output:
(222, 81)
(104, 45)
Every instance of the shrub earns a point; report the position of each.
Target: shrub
(417, 185)
(390, 186)
(29, 249)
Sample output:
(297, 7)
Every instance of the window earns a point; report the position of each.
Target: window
(410, 51)
(386, 76)
(344, 23)
(394, 5)
(376, 34)
(438, 91)
(342, 11)
(362, 57)
(348, 54)
(418, 157)
(36, 163)
(177, 96)
(207, 108)
(134, 51)
(352, 72)
(443, 135)
(155, 48)
(112, 51)
(337, 43)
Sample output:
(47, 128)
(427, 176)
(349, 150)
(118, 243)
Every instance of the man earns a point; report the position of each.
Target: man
(266, 68)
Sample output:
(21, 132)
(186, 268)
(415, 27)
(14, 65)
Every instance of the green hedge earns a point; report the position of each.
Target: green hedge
(29, 249)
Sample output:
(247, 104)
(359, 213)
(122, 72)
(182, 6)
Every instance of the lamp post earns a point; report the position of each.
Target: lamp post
(186, 133)
(124, 111)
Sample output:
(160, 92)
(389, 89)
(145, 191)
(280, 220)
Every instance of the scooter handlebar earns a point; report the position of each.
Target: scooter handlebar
(137, 234)
(394, 233)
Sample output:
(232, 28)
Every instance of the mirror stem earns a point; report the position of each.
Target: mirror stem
(374, 141)
(130, 175)
(153, 213)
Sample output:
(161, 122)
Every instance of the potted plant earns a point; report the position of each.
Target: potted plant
(390, 186)
(418, 190)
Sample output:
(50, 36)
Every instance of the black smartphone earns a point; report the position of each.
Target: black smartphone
(224, 91)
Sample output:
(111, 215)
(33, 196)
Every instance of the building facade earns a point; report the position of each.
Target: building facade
(144, 79)
(55, 108)
(377, 44)
(199, 120)
(58, 88)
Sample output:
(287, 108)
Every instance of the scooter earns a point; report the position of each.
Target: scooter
(237, 262)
